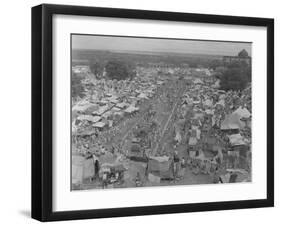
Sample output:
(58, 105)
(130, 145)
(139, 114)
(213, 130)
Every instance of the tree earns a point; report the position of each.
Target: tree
(77, 88)
(215, 64)
(234, 79)
(97, 68)
(243, 53)
(193, 64)
(119, 70)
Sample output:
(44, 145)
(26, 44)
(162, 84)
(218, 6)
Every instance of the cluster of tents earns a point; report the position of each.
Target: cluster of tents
(236, 120)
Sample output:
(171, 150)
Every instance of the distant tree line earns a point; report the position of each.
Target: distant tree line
(120, 70)
(235, 76)
(113, 69)
(119, 66)
(77, 88)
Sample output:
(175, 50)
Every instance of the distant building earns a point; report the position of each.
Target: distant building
(242, 56)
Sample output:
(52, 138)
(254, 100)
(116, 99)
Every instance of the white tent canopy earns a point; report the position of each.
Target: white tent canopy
(232, 121)
(81, 168)
(236, 139)
(91, 118)
(99, 125)
(198, 81)
(242, 112)
(131, 109)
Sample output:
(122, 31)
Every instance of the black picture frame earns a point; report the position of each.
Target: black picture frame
(42, 107)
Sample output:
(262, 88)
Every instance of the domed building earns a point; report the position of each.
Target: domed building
(242, 56)
(243, 53)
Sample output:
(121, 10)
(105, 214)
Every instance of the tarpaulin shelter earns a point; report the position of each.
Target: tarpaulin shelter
(209, 112)
(232, 122)
(160, 166)
(136, 153)
(216, 84)
(82, 106)
(121, 105)
(143, 96)
(208, 103)
(236, 140)
(90, 118)
(86, 132)
(82, 168)
(209, 142)
(242, 112)
(192, 141)
(154, 179)
(221, 102)
(99, 125)
(131, 109)
(113, 167)
(107, 158)
(91, 108)
(198, 81)
(101, 110)
(236, 175)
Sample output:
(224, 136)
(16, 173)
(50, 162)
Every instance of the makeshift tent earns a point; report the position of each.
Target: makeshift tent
(192, 141)
(178, 137)
(232, 121)
(101, 110)
(110, 123)
(136, 154)
(91, 108)
(198, 116)
(241, 175)
(160, 166)
(121, 105)
(90, 118)
(107, 158)
(82, 168)
(196, 101)
(82, 106)
(86, 132)
(236, 139)
(118, 167)
(143, 96)
(242, 112)
(115, 166)
(217, 84)
(115, 109)
(198, 81)
(208, 103)
(209, 112)
(154, 179)
(221, 102)
(209, 141)
(108, 114)
(103, 102)
(99, 125)
(131, 109)
(113, 99)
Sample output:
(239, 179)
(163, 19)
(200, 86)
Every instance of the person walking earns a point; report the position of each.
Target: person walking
(97, 168)
(176, 164)
(104, 180)
(182, 168)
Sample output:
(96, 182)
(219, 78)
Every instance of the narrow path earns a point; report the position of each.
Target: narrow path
(142, 114)
(168, 120)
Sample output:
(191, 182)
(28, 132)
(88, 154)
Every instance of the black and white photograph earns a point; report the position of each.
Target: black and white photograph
(141, 112)
(159, 112)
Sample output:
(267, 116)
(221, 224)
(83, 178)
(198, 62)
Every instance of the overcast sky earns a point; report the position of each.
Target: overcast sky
(158, 45)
